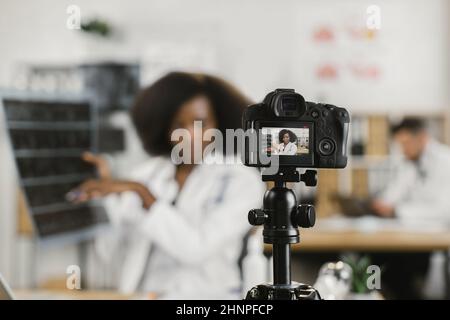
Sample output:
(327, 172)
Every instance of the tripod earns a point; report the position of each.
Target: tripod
(281, 218)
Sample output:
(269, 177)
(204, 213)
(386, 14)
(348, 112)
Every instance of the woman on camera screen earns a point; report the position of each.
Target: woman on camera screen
(288, 141)
(180, 226)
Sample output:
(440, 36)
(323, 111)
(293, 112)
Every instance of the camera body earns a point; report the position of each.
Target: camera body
(295, 132)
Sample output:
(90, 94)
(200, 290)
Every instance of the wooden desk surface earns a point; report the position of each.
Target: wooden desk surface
(39, 294)
(381, 239)
(311, 240)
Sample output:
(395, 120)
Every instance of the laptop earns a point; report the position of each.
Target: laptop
(354, 206)
(5, 290)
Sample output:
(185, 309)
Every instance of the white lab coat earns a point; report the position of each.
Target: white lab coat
(422, 190)
(289, 149)
(188, 249)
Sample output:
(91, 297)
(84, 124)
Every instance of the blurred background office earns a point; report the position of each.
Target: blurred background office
(383, 60)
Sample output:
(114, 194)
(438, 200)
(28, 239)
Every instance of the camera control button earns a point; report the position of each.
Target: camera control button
(315, 114)
(325, 113)
(320, 125)
(326, 147)
(343, 114)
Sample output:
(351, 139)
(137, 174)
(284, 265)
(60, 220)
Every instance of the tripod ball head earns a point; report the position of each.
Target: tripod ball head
(304, 216)
(257, 217)
(309, 178)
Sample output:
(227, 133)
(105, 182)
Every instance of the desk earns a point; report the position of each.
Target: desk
(352, 240)
(374, 234)
(39, 294)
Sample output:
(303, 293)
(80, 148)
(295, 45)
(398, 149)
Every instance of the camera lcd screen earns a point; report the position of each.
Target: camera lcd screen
(285, 141)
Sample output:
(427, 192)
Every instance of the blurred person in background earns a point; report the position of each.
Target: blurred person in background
(178, 229)
(420, 187)
(419, 191)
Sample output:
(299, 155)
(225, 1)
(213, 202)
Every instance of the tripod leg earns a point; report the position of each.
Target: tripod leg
(281, 264)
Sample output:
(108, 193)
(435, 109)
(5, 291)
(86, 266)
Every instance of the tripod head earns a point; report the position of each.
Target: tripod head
(281, 217)
(280, 228)
(290, 174)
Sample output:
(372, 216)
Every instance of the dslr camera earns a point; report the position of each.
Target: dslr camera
(294, 132)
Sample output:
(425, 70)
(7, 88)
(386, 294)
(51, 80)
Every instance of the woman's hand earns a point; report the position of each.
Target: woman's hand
(94, 189)
(382, 209)
(270, 149)
(97, 188)
(100, 163)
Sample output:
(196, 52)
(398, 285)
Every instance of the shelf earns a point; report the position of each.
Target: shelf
(45, 125)
(366, 160)
(57, 207)
(30, 153)
(30, 182)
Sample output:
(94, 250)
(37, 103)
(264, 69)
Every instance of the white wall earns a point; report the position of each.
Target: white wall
(411, 51)
(257, 44)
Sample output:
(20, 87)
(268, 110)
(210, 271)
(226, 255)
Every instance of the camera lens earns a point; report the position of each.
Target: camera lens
(326, 147)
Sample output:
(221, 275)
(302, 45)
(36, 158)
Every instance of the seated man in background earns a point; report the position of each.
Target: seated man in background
(419, 190)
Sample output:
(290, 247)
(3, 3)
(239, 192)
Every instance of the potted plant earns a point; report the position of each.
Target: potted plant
(360, 290)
